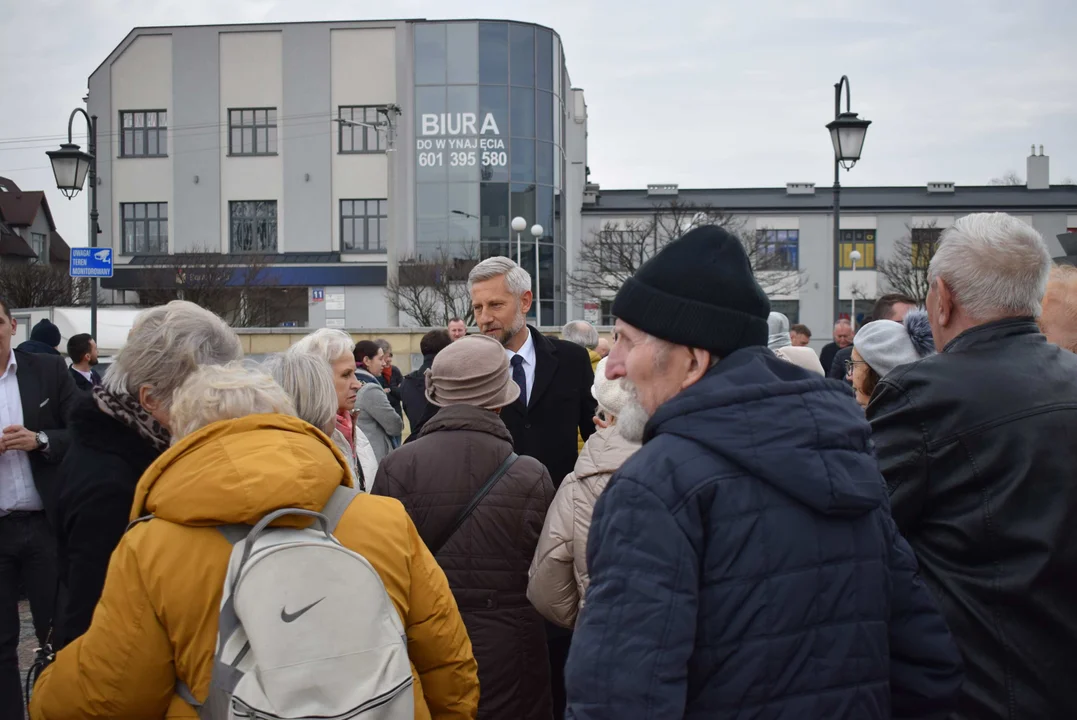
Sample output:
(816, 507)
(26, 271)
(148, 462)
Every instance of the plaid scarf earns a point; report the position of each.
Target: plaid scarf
(127, 410)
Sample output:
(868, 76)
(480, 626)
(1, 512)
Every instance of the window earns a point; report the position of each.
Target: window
(362, 224)
(615, 248)
(145, 133)
(777, 250)
(925, 241)
(359, 138)
(37, 244)
(789, 308)
(862, 241)
(607, 313)
(252, 131)
(145, 228)
(254, 225)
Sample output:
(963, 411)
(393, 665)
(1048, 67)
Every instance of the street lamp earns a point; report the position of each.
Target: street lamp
(854, 258)
(536, 232)
(518, 226)
(70, 166)
(847, 133)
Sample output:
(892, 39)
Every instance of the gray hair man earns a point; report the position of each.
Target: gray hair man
(582, 333)
(977, 447)
(555, 403)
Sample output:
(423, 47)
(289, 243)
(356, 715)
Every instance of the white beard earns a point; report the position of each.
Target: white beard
(632, 422)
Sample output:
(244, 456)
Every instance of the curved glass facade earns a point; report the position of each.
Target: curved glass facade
(489, 134)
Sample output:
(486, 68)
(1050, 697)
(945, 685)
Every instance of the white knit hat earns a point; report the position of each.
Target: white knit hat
(610, 394)
(885, 344)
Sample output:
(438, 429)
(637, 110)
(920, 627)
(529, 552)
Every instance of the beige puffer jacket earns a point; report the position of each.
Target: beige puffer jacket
(558, 574)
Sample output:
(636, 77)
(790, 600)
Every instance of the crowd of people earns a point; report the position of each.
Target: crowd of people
(703, 518)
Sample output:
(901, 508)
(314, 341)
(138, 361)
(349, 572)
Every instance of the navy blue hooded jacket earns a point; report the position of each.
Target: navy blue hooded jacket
(744, 564)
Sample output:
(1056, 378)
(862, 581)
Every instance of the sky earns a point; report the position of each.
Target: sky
(700, 93)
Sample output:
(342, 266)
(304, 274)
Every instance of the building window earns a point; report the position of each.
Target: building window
(37, 244)
(360, 138)
(925, 241)
(778, 250)
(607, 313)
(864, 242)
(145, 228)
(252, 131)
(789, 308)
(253, 226)
(362, 224)
(145, 133)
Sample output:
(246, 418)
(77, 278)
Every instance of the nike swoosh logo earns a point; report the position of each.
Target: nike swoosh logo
(292, 617)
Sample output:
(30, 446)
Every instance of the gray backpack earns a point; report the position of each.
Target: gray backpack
(307, 629)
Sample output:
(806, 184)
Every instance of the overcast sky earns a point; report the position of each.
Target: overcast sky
(733, 93)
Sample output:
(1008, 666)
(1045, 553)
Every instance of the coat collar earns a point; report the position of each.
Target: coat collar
(466, 417)
(545, 364)
(989, 332)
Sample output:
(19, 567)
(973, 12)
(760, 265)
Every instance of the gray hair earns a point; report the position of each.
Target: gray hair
(580, 332)
(385, 345)
(327, 343)
(225, 392)
(517, 279)
(167, 344)
(994, 264)
(309, 383)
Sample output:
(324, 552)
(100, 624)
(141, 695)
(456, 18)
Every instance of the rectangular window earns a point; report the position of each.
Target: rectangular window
(924, 243)
(145, 228)
(616, 249)
(253, 225)
(143, 133)
(360, 138)
(37, 244)
(863, 241)
(252, 131)
(363, 224)
(607, 313)
(789, 308)
(777, 250)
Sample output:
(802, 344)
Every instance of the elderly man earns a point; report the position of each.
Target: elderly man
(1058, 321)
(457, 329)
(743, 562)
(603, 347)
(977, 447)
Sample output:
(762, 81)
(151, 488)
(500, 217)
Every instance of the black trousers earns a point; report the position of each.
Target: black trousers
(558, 640)
(27, 557)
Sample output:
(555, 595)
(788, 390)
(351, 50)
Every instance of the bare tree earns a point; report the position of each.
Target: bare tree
(433, 290)
(25, 285)
(1010, 179)
(905, 270)
(614, 253)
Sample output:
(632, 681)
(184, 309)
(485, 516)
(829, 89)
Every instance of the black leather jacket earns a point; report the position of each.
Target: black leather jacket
(978, 445)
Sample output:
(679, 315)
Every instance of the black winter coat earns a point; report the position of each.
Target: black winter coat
(98, 478)
(744, 564)
(978, 445)
(561, 402)
(487, 559)
(413, 395)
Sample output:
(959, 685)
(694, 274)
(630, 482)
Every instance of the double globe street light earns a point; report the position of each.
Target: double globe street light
(847, 132)
(519, 224)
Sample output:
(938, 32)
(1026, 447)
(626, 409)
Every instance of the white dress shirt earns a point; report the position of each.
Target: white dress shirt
(17, 489)
(527, 352)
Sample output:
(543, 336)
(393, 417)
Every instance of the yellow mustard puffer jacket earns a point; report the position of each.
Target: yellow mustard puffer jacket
(156, 622)
(595, 359)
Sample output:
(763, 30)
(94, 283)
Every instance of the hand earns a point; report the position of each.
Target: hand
(600, 423)
(16, 437)
(387, 390)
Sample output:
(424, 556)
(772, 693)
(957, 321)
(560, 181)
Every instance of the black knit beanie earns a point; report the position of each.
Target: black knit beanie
(46, 332)
(699, 291)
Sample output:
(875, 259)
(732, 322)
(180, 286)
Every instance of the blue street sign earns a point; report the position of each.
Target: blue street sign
(317, 294)
(91, 262)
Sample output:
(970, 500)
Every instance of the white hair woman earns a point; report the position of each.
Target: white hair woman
(309, 383)
(336, 348)
(239, 456)
(781, 345)
(558, 576)
(116, 433)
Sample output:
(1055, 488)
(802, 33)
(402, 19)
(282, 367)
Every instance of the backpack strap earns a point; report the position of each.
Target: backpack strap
(338, 502)
(436, 546)
(136, 521)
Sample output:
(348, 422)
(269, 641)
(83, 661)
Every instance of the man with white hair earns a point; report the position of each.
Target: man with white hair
(555, 379)
(743, 562)
(977, 447)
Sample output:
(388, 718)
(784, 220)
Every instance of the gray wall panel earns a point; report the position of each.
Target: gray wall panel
(195, 220)
(306, 146)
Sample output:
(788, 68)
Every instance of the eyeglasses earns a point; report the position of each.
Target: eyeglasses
(850, 364)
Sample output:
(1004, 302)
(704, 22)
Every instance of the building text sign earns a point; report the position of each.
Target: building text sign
(460, 140)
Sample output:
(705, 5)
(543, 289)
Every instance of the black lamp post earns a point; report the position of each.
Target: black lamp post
(70, 165)
(847, 132)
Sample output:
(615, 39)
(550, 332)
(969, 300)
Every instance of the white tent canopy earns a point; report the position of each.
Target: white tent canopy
(113, 324)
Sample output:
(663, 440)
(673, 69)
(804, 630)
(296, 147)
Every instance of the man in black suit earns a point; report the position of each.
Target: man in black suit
(36, 394)
(555, 380)
(82, 349)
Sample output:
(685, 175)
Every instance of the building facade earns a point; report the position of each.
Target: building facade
(791, 232)
(338, 153)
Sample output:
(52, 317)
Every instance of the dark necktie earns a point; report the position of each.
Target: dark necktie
(520, 376)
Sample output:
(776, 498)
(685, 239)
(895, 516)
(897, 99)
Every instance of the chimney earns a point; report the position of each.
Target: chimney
(1038, 171)
(804, 188)
(662, 189)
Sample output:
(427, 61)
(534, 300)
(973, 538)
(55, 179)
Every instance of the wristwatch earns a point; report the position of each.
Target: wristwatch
(42, 441)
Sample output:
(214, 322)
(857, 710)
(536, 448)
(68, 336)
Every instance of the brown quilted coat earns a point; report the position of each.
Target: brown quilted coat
(487, 560)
